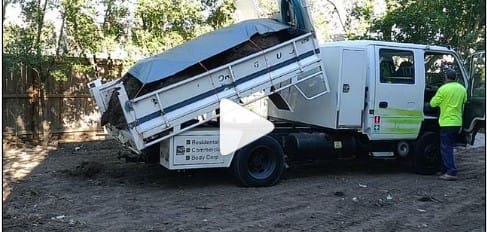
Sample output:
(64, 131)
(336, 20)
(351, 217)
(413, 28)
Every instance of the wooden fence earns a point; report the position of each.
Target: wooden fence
(67, 107)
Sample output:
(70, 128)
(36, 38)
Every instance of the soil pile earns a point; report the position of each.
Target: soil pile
(87, 169)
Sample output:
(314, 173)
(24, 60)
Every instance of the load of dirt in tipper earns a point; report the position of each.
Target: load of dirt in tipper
(114, 115)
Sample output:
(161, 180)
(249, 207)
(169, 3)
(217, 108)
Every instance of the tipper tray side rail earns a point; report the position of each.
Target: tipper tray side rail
(159, 115)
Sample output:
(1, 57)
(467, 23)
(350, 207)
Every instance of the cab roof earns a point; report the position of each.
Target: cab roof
(366, 43)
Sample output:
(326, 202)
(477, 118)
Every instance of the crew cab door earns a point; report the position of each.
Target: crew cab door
(397, 109)
(474, 111)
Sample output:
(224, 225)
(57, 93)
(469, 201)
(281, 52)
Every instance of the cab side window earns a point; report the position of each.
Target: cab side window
(396, 66)
(435, 64)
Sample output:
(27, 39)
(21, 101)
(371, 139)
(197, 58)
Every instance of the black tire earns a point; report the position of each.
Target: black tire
(404, 150)
(260, 163)
(404, 153)
(426, 159)
(150, 155)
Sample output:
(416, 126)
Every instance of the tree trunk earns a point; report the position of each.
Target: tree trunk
(60, 37)
(5, 4)
(40, 24)
(44, 121)
(35, 120)
(37, 80)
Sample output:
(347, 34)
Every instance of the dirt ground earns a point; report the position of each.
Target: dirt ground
(84, 187)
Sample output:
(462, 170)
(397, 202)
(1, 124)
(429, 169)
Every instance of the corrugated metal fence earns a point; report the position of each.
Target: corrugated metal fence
(65, 107)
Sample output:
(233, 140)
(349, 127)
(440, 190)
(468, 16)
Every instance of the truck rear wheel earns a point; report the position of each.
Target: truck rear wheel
(260, 163)
(150, 155)
(426, 158)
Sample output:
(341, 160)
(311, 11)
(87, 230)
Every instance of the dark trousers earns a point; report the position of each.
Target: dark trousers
(447, 138)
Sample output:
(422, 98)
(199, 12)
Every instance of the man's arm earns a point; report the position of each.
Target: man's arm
(437, 99)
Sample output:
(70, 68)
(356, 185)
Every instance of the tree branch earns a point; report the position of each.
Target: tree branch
(339, 16)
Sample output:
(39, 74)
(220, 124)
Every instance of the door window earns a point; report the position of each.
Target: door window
(476, 67)
(474, 110)
(435, 64)
(396, 66)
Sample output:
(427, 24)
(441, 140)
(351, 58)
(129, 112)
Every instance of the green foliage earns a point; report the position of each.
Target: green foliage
(81, 68)
(18, 41)
(27, 44)
(162, 24)
(321, 13)
(115, 19)
(359, 19)
(81, 29)
(267, 8)
(459, 23)
(133, 29)
(222, 15)
(59, 75)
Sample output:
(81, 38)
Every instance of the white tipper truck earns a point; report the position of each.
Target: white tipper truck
(338, 99)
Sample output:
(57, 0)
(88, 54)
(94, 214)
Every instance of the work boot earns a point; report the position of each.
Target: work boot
(448, 177)
(440, 172)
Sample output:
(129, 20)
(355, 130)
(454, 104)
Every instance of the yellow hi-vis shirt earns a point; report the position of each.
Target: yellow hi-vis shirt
(450, 97)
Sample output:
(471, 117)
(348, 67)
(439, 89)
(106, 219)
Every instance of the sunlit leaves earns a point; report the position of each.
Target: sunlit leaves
(115, 19)
(129, 29)
(162, 24)
(222, 15)
(83, 33)
(459, 23)
(359, 19)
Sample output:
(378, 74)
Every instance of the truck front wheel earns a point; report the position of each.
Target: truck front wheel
(426, 158)
(260, 163)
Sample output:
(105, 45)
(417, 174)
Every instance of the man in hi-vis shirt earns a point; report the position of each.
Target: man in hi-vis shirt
(450, 97)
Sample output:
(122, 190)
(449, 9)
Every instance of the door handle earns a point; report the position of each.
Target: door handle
(382, 104)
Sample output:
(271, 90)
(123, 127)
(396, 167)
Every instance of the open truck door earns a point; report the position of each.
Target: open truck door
(474, 111)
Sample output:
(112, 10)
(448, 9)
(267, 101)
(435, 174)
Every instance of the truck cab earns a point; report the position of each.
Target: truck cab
(401, 103)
